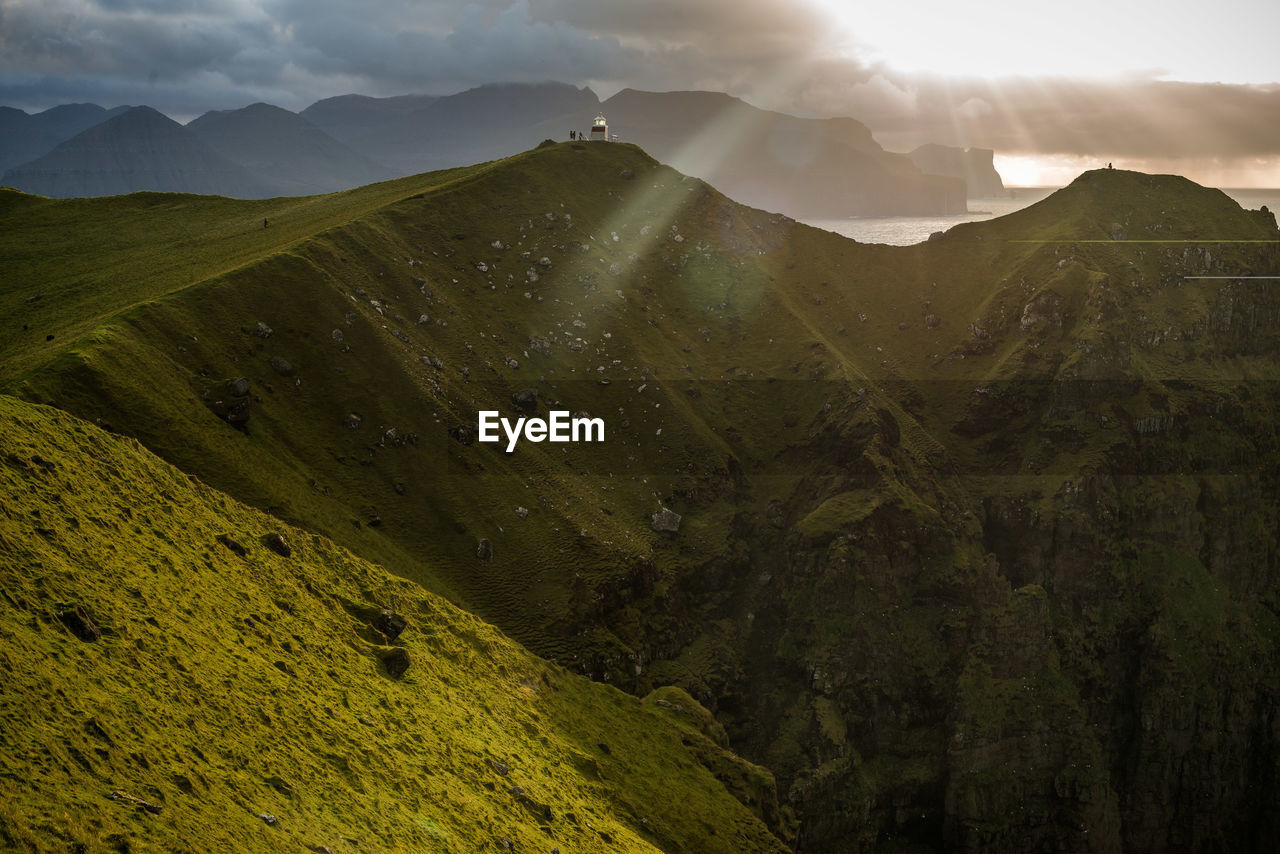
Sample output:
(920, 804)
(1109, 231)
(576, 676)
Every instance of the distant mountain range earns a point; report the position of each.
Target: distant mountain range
(801, 167)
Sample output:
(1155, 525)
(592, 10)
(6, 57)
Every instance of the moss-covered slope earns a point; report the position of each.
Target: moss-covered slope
(172, 681)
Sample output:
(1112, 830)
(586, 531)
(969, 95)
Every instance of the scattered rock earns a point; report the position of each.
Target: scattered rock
(432, 361)
(263, 331)
(390, 624)
(77, 619)
(401, 336)
(396, 661)
(484, 550)
(125, 798)
(232, 545)
(665, 521)
(522, 512)
(276, 543)
(239, 387)
(540, 345)
(526, 400)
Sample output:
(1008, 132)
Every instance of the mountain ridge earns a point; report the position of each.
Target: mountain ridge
(936, 503)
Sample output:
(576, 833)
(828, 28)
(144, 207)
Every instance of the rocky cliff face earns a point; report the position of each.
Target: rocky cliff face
(974, 166)
(977, 539)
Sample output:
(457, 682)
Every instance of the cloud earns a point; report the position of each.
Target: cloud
(187, 56)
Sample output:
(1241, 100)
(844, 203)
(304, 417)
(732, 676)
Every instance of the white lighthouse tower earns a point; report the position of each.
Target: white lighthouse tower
(600, 129)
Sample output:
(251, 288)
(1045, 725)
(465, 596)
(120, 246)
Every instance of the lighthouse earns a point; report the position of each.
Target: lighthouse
(600, 129)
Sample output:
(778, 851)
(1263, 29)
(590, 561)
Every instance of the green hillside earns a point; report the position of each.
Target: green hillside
(977, 537)
(172, 682)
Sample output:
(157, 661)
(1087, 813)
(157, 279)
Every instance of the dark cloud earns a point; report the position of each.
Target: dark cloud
(186, 56)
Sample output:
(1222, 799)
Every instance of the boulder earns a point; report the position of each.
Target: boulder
(281, 366)
(390, 624)
(526, 400)
(233, 546)
(396, 661)
(77, 619)
(665, 521)
(484, 550)
(239, 387)
(276, 543)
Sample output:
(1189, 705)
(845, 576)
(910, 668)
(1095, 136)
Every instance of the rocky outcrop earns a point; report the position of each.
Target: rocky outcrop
(974, 166)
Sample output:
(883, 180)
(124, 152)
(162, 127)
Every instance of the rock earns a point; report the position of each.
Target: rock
(522, 512)
(232, 545)
(499, 767)
(484, 550)
(626, 174)
(513, 364)
(390, 624)
(238, 413)
(932, 321)
(463, 435)
(263, 331)
(276, 543)
(665, 521)
(126, 798)
(540, 345)
(937, 235)
(337, 336)
(352, 421)
(423, 319)
(77, 619)
(239, 387)
(396, 661)
(432, 362)
(267, 817)
(401, 336)
(526, 400)
(281, 366)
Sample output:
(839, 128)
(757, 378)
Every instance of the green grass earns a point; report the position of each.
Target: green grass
(860, 486)
(223, 687)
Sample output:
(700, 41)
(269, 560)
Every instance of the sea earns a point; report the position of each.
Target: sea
(906, 230)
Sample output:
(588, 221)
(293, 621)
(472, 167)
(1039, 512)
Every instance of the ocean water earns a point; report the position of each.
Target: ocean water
(905, 230)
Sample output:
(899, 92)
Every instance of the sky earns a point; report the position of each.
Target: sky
(1054, 88)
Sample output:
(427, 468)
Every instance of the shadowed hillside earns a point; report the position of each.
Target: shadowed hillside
(968, 542)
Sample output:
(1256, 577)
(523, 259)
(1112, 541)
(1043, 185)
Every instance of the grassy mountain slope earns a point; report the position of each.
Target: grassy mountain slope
(978, 535)
(294, 155)
(139, 149)
(172, 681)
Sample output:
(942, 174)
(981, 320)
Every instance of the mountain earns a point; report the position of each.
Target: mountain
(968, 545)
(298, 157)
(974, 166)
(25, 137)
(801, 167)
(139, 149)
(417, 134)
(349, 118)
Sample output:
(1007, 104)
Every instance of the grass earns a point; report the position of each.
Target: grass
(224, 687)
(871, 447)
